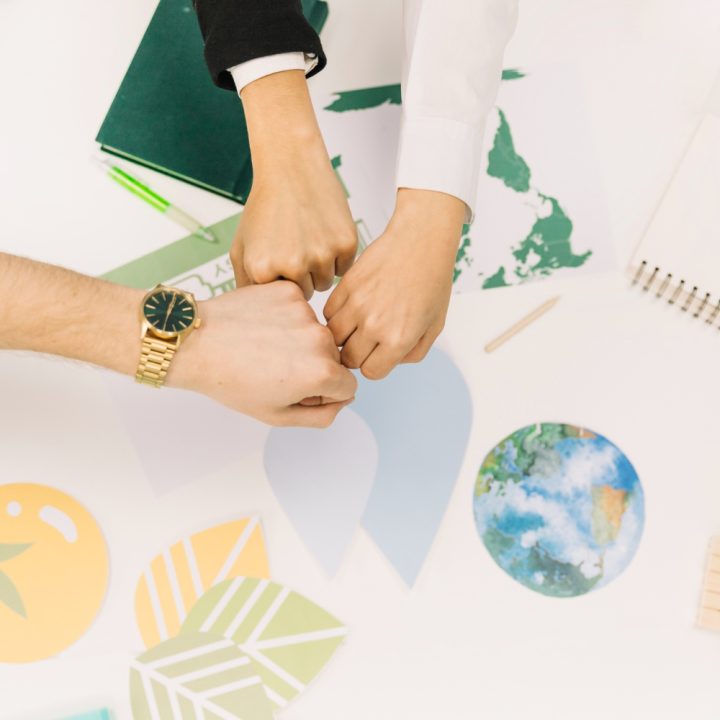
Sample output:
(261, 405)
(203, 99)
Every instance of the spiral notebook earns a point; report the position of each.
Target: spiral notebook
(678, 259)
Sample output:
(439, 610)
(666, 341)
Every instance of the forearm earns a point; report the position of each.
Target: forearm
(435, 215)
(282, 126)
(51, 310)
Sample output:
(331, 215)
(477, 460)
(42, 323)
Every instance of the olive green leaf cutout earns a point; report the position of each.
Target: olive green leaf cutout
(9, 550)
(9, 595)
(288, 638)
(197, 676)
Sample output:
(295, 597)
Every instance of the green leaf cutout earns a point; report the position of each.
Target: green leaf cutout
(197, 675)
(10, 597)
(288, 637)
(9, 551)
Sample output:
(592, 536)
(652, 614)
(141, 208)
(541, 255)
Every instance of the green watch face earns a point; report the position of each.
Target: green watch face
(169, 311)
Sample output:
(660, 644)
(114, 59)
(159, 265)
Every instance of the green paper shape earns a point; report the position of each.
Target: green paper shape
(365, 98)
(504, 162)
(176, 258)
(197, 673)
(10, 597)
(289, 638)
(549, 241)
(11, 550)
(548, 245)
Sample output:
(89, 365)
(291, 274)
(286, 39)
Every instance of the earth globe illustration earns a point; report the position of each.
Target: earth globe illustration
(559, 508)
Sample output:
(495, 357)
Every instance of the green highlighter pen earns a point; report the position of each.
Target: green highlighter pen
(142, 191)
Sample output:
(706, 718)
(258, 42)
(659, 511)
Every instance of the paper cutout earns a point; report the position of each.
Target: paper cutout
(559, 508)
(220, 435)
(177, 578)
(53, 572)
(197, 676)
(10, 597)
(365, 98)
(323, 480)
(288, 638)
(175, 259)
(421, 416)
(709, 616)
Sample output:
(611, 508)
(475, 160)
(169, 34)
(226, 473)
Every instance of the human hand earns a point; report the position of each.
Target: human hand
(261, 351)
(391, 305)
(296, 224)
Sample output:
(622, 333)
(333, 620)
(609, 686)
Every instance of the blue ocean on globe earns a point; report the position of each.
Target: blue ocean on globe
(559, 508)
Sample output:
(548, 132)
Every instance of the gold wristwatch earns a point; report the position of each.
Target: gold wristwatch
(168, 316)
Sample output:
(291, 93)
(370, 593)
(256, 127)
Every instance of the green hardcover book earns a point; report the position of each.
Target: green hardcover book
(169, 116)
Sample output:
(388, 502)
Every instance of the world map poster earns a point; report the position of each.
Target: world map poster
(540, 208)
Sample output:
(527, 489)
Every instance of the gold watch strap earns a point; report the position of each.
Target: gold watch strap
(155, 358)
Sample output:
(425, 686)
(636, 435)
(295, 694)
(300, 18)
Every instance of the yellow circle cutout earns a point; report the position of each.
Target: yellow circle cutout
(54, 572)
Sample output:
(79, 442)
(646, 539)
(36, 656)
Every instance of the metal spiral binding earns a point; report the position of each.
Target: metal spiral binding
(688, 299)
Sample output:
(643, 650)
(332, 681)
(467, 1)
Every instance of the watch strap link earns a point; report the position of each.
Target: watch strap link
(155, 357)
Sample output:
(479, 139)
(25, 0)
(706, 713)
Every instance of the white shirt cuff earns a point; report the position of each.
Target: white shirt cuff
(441, 154)
(247, 72)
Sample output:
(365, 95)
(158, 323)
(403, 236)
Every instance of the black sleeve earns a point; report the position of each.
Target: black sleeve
(239, 30)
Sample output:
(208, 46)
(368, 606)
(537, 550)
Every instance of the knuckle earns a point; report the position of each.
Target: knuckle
(374, 325)
(417, 355)
(347, 240)
(294, 267)
(373, 373)
(395, 341)
(324, 372)
(323, 257)
(291, 292)
(320, 335)
(261, 269)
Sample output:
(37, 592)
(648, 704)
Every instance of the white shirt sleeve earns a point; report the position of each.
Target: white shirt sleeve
(451, 74)
(252, 70)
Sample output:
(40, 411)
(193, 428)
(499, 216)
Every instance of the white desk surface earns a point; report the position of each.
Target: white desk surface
(466, 642)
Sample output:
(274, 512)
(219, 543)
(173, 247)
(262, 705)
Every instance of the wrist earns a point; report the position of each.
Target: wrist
(430, 214)
(111, 333)
(189, 366)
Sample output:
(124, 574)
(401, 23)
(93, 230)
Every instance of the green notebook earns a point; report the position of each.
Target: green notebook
(169, 116)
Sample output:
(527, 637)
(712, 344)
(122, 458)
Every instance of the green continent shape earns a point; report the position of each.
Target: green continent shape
(461, 258)
(504, 162)
(368, 98)
(496, 280)
(365, 99)
(549, 241)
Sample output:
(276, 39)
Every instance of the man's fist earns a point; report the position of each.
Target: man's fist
(261, 351)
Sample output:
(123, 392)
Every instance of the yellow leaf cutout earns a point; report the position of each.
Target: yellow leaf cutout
(178, 577)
